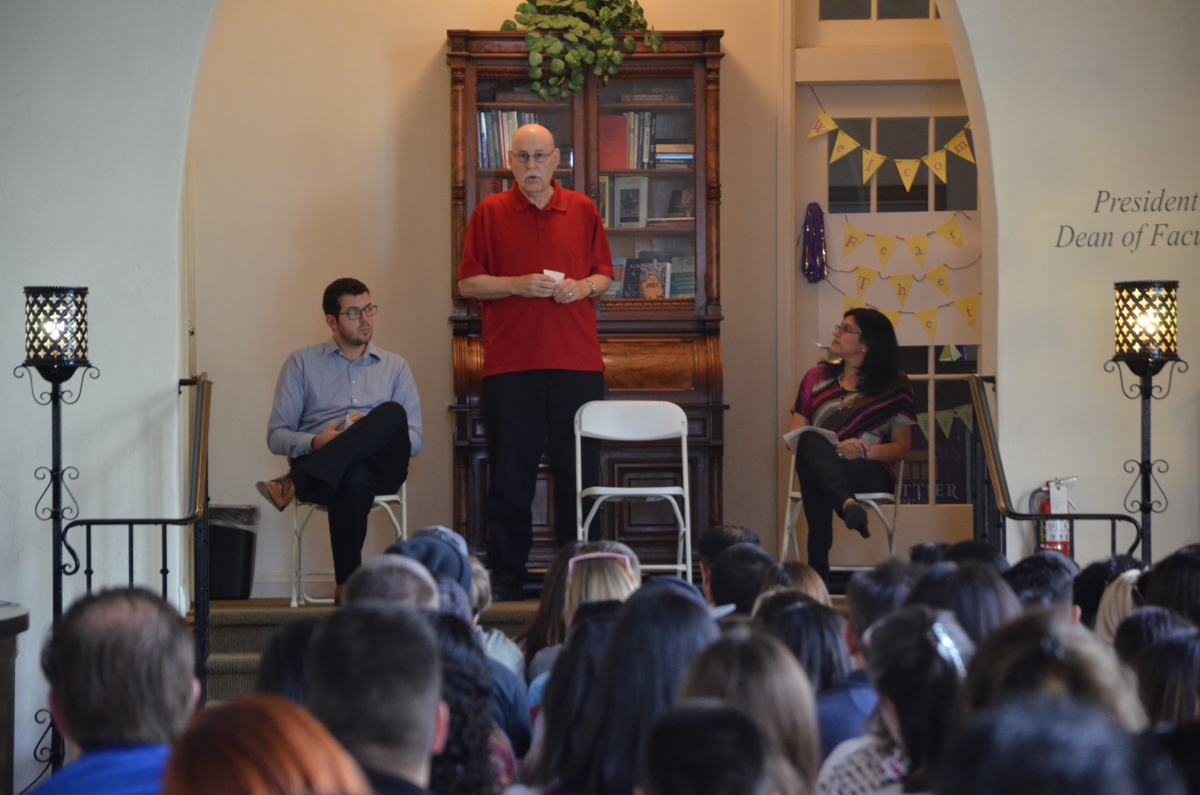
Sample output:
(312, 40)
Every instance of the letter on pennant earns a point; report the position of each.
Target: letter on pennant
(945, 418)
(902, 284)
(969, 306)
(883, 246)
(928, 320)
(854, 237)
(923, 423)
(918, 245)
(863, 278)
(949, 230)
(843, 146)
(871, 163)
(936, 163)
(822, 125)
(966, 413)
(960, 146)
(939, 277)
(891, 315)
(908, 171)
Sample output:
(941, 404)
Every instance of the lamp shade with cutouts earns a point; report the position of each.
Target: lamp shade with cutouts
(56, 331)
(1147, 331)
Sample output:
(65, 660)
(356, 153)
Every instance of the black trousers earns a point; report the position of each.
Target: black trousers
(826, 482)
(525, 412)
(368, 458)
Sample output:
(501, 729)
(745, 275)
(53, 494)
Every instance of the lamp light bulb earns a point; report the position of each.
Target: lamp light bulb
(1148, 322)
(55, 328)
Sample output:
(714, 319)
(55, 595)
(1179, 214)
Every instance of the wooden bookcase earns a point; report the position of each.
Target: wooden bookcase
(654, 348)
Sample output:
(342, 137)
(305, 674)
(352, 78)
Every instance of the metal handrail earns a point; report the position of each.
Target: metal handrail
(1004, 503)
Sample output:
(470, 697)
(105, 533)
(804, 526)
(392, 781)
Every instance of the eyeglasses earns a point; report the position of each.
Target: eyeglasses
(840, 330)
(596, 556)
(354, 312)
(524, 157)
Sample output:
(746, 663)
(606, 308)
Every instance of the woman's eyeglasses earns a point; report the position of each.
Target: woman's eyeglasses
(840, 330)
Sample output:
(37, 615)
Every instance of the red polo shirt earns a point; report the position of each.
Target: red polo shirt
(509, 236)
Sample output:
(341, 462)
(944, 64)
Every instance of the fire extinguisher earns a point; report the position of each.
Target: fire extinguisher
(1056, 533)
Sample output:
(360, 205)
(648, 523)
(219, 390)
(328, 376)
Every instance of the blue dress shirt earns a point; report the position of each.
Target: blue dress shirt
(319, 385)
(118, 770)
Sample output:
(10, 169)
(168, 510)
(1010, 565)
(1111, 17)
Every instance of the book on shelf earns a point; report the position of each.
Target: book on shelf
(613, 143)
(638, 97)
(630, 199)
(618, 281)
(664, 148)
(682, 280)
(682, 204)
(605, 206)
(632, 278)
(645, 278)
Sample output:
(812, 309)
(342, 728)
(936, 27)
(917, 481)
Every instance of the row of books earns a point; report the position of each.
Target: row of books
(496, 130)
(644, 139)
(653, 275)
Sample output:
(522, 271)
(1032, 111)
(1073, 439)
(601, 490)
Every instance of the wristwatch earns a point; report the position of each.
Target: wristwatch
(591, 288)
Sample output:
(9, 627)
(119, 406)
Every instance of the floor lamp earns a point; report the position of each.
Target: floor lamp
(1147, 340)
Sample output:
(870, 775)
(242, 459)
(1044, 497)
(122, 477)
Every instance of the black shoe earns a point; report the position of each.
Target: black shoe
(507, 587)
(855, 517)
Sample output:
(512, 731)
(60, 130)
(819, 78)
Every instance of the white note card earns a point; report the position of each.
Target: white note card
(557, 276)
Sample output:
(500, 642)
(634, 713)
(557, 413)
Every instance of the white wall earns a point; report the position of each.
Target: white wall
(1081, 96)
(94, 106)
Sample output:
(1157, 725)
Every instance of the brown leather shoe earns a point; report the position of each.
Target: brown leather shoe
(279, 492)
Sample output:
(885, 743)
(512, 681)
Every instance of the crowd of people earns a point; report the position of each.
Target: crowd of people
(953, 672)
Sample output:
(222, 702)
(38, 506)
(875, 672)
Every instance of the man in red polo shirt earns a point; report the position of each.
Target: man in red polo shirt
(533, 256)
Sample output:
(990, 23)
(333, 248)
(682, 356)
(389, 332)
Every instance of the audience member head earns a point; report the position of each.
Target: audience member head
(393, 578)
(452, 599)
(1168, 678)
(605, 545)
(547, 627)
(916, 660)
(572, 679)
(870, 595)
(704, 748)
(1043, 581)
(281, 667)
(597, 577)
(438, 556)
(481, 588)
(797, 575)
(1175, 583)
(1047, 746)
(815, 634)
(928, 553)
(980, 551)
(774, 600)
(654, 640)
(373, 676)
(712, 543)
(463, 768)
(1044, 653)
(447, 535)
(979, 597)
(1120, 598)
(1091, 583)
(260, 744)
(1143, 628)
(119, 664)
(737, 576)
(755, 674)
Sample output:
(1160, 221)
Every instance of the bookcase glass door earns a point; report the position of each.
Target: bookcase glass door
(647, 189)
(503, 106)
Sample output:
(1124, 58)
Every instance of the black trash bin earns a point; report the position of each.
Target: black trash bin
(232, 538)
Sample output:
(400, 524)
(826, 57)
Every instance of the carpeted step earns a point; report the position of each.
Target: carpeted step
(231, 675)
(246, 629)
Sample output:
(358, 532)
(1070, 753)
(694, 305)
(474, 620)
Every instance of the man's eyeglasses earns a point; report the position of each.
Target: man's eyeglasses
(839, 330)
(355, 312)
(537, 157)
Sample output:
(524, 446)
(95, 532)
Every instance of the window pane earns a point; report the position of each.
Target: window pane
(845, 9)
(953, 449)
(916, 469)
(914, 360)
(903, 9)
(847, 193)
(908, 139)
(956, 359)
(960, 190)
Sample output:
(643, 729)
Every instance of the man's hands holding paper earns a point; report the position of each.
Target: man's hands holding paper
(335, 428)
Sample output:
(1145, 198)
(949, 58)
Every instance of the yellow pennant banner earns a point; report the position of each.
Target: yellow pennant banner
(945, 418)
(966, 413)
(949, 230)
(969, 306)
(917, 246)
(908, 171)
(928, 320)
(863, 278)
(891, 315)
(936, 163)
(960, 146)
(939, 277)
(949, 353)
(849, 303)
(883, 246)
(923, 423)
(967, 126)
(854, 238)
(822, 125)
(843, 146)
(871, 163)
(902, 284)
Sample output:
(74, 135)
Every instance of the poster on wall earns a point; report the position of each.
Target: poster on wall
(922, 270)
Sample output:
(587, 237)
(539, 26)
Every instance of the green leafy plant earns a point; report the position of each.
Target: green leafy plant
(565, 37)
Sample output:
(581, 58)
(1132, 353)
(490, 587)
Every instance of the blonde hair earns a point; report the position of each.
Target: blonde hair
(797, 575)
(1117, 602)
(598, 580)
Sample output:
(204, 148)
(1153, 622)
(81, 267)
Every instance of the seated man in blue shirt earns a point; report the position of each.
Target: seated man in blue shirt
(119, 665)
(347, 416)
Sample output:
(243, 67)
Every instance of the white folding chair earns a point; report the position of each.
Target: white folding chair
(871, 499)
(383, 502)
(636, 421)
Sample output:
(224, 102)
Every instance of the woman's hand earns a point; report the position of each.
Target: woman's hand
(851, 449)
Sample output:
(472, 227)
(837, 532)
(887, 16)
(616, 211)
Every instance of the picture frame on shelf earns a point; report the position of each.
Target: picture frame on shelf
(630, 198)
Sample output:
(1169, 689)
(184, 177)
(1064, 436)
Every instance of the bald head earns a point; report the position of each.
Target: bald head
(531, 144)
(532, 136)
